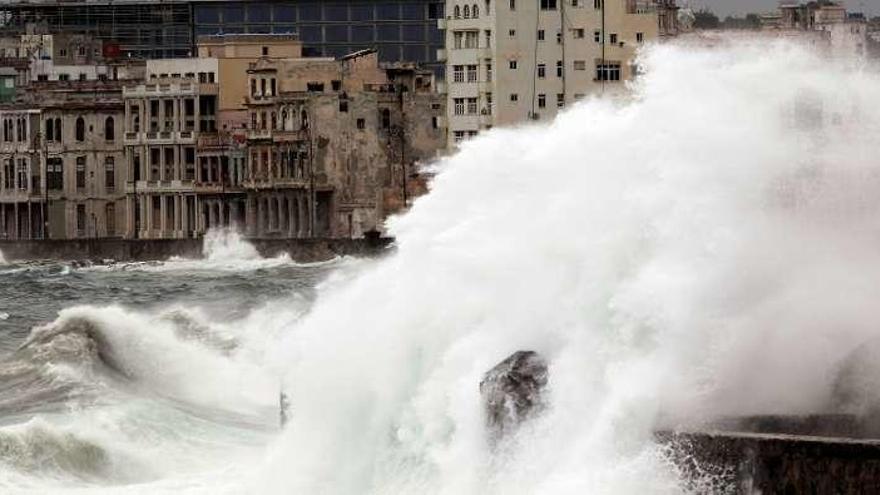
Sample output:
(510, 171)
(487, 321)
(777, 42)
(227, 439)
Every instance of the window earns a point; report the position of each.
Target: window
(511, 33)
(458, 136)
(488, 38)
(343, 105)
(265, 51)
(640, 37)
(62, 52)
(542, 100)
(81, 219)
(612, 38)
(458, 106)
(548, 4)
(559, 68)
(110, 214)
(512, 64)
(361, 124)
(272, 86)
(471, 39)
(471, 73)
(597, 4)
(580, 65)
(80, 129)
(80, 172)
(475, 11)
(488, 104)
(560, 100)
(466, 12)
(457, 12)
(458, 73)
(386, 118)
(542, 71)
(458, 37)
(575, 3)
(50, 129)
(514, 97)
(58, 129)
(109, 129)
(540, 35)
(109, 174)
(472, 106)
(22, 174)
(609, 71)
(577, 33)
(597, 36)
(488, 72)
(82, 76)
(558, 37)
(64, 77)
(512, 4)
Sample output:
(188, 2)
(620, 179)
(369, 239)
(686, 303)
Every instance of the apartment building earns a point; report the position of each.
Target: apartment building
(62, 174)
(511, 61)
(334, 144)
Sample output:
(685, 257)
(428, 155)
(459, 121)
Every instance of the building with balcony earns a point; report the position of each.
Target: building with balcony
(511, 61)
(62, 162)
(334, 144)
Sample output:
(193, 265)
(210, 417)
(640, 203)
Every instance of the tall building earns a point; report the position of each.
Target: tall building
(509, 61)
(401, 30)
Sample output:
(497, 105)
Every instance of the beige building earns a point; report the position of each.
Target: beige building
(333, 143)
(62, 162)
(510, 61)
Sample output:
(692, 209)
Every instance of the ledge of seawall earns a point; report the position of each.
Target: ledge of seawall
(747, 462)
(303, 250)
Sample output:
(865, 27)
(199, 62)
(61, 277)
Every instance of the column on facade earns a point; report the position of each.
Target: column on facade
(250, 218)
(303, 215)
(163, 215)
(148, 217)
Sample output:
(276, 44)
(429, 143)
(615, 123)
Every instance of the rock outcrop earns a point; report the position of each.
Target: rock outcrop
(511, 391)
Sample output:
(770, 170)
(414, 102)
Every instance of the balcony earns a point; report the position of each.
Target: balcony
(256, 134)
(132, 138)
(155, 186)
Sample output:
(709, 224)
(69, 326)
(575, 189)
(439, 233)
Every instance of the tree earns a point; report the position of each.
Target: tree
(705, 19)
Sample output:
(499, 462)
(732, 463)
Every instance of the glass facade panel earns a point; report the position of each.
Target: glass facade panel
(310, 34)
(435, 10)
(435, 35)
(285, 13)
(335, 12)
(310, 12)
(208, 30)
(362, 34)
(259, 28)
(284, 29)
(388, 32)
(413, 32)
(207, 14)
(414, 53)
(362, 12)
(336, 34)
(233, 14)
(232, 29)
(412, 11)
(388, 11)
(259, 13)
(389, 53)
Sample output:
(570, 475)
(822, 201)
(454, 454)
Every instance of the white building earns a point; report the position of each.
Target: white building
(508, 61)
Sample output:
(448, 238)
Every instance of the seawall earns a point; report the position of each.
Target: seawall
(304, 250)
(749, 462)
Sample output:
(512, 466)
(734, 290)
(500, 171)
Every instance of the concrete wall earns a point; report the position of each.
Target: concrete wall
(303, 250)
(748, 463)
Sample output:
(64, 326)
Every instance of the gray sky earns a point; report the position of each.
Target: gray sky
(727, 7)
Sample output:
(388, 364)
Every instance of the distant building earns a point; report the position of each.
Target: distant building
(401, 30)
(847, 33)
(334, 144)
(511, 61)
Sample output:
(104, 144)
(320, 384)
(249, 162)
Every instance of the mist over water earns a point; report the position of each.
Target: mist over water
(706, 249)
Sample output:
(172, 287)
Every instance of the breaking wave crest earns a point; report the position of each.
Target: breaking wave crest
(706, 249)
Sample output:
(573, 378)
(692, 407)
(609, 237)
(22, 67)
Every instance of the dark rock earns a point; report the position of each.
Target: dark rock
(511, 391)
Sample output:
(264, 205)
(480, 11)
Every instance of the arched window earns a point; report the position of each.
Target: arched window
(109, 129)
(80, 129)
(475, 11)
(50, 129)
(284, 119)
(274, 121)
(58, 129)
(136, 123)
(109, 173)
(467, 12)
(457, 11)
(304, 120)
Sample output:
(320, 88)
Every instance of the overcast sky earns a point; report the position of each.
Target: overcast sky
(727, 7)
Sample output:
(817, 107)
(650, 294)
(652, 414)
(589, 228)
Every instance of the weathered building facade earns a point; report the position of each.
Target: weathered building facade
(333, 143)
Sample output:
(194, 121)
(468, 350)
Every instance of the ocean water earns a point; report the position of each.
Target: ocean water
(707, 248)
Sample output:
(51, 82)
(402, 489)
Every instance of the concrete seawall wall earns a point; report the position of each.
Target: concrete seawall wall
(304, 250)
(752, 463)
